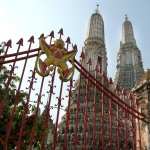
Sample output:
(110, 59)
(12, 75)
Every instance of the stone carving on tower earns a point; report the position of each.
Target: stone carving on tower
(129, 61)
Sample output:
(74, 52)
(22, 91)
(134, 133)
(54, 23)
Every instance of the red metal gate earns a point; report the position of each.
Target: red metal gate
(119, 118)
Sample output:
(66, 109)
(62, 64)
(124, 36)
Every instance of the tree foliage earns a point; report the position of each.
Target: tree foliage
(7, 102)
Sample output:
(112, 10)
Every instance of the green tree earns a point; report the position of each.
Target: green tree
(7, 100)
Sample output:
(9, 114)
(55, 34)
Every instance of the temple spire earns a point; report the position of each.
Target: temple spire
(126, 17)
(95, 41)
(129, 59)
(97, 8)
(127, 32)
(95, 29)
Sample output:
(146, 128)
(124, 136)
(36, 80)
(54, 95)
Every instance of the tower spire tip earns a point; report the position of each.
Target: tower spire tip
(97, 8)
(126, 17)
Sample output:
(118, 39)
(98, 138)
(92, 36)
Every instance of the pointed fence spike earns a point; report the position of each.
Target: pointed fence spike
(75, 47)
(82, 55)
(61, 31)
(68, 40)
(42, 35)
(20, 42)
(52, 34)
(9, 44)
(31, 39)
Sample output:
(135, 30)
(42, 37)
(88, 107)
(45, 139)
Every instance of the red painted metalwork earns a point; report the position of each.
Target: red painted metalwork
(94, 106)
(78, 108)
(47, 115)
(20, 43)
(31, 41)
(117, 118)
(69, 102)
(68, 115)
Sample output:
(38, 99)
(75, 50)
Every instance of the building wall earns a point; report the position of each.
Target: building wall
(142, 91)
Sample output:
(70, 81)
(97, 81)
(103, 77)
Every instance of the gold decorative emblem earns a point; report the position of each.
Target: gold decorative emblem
(56, 56)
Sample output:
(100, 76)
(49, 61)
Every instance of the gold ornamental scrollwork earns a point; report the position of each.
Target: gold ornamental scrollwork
(56, 56)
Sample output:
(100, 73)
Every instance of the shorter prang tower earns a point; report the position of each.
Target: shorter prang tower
(129, 61)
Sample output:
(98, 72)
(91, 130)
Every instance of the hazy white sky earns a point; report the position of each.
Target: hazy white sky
(23, 18)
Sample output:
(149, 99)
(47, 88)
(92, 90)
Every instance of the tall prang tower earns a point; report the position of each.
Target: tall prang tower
(94, 45)
(129, 61)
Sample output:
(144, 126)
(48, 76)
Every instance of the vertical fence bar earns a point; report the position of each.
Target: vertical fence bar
(20, 43)
(26, 109)
(94, 107)
(134, 123)
(79, 108)
(139, 129)
(31, 41)
(8, 45)
(68, 107)
(32, 135)
(110, 123)
(57, 117)
(59, 103)
(45, 121)
(102, 116)
(126, 131)
(117, 127)
(125, 120)
(53, 78)
(11, 117)
(101, 104)
(86, 108)
(2, 59)
(133, 127)
(65, 147)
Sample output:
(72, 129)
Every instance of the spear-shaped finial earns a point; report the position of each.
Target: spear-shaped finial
(20, 42)
(82, 55)
(75, 47)
(31, 39)
(68, 41)
(9, 43)
(60, 33)
(51, 36)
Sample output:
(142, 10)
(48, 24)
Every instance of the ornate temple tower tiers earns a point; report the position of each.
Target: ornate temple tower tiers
(127, 32)
(95, 41)
(129, 61)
